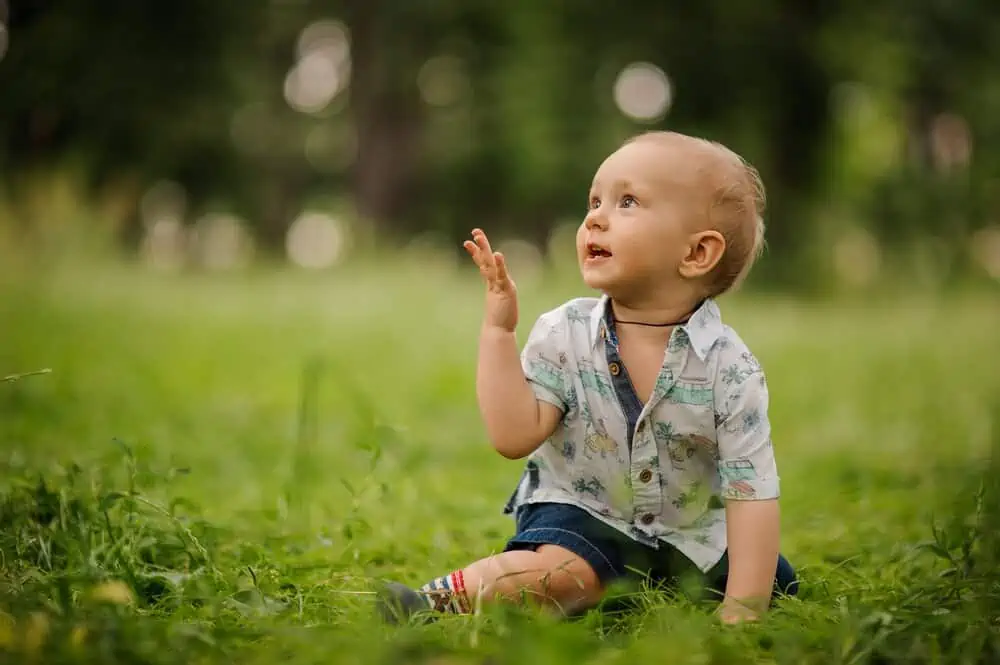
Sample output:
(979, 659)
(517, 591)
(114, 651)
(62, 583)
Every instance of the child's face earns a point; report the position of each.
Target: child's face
(648, 203)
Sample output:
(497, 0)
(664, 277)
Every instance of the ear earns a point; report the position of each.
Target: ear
(704, 251)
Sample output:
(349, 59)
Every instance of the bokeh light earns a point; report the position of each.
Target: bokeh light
(312, 83)
(162, 209)
(315, 241)
(643, 92)
(164, 200)
(164, 245)
(443, 81)
(327, 37)
(322, 69)
(221, 242)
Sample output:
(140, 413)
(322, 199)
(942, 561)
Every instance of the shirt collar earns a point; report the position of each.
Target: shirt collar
(598, 330)
(703, 329)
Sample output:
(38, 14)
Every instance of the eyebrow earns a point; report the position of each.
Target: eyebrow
(623, 184)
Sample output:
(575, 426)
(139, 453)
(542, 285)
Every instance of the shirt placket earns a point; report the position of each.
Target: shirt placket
(644, 477)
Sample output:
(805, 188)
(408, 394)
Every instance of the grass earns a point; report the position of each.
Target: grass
(218, 467)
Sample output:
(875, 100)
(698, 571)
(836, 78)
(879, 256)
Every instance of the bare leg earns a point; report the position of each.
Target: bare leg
(552, 576)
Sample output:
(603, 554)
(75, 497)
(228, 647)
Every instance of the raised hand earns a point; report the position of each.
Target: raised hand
(501, 293)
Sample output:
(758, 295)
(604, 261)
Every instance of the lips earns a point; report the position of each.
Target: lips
(595, 251)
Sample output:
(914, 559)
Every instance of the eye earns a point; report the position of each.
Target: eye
(594, 203)
(629, 201)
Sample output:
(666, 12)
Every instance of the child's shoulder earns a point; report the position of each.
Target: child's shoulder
(734, 354)
(565, 325)
(711, 338)
(575, 310)
(730, 341)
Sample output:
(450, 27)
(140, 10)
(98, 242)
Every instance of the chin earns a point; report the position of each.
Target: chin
(598, 283)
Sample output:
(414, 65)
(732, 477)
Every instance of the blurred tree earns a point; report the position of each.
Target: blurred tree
(128, 85)
(460, 114)
(938, 60)
(390, 40)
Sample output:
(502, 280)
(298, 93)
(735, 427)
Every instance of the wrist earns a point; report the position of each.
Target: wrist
(494, 331)
(735, 610)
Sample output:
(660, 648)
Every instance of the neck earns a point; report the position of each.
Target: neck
(649, 324)
(664, 314)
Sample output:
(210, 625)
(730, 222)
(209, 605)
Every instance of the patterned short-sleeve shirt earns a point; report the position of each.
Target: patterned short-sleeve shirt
(657, 471)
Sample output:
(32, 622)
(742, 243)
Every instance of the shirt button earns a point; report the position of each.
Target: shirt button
(614, 369)
(648, 518)
(646, 475)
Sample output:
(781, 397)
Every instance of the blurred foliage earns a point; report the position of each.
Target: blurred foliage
(881, 118)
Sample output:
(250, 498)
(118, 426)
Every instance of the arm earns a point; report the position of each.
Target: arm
(753, 532)
(519, 415)
(517, 421)
(750, 486)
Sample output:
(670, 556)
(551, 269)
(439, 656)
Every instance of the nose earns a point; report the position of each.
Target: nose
(596, 220)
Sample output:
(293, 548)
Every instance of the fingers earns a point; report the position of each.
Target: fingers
(473, 251)
(479, 236)
(501, 264)
(481, 252)
(492, 265)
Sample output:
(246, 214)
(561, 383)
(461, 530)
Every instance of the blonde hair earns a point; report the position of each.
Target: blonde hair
(736, 210)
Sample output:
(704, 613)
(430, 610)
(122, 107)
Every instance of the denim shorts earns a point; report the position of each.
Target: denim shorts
(614, 556)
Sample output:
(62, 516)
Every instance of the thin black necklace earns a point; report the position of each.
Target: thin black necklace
(653, 325)
(678, 322)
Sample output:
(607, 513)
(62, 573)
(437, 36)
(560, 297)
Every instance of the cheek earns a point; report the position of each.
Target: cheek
(640, 242)
(653, 251)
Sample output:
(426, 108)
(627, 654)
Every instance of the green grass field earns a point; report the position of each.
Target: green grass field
(246, 454)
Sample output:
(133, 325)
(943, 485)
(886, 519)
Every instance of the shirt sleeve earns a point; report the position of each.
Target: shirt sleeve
(747, 468)
(543, 360)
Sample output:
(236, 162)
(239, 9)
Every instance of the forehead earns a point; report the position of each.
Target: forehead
(669, 163)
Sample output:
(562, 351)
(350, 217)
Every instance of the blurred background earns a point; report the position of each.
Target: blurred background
(232, 231)
(205, 135)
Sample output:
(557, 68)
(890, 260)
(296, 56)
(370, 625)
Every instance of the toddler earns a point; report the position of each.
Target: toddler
(643, 417)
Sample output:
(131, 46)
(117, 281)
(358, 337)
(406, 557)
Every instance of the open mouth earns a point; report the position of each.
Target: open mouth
(597, 252)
